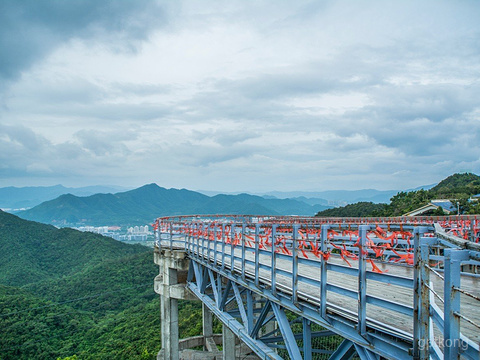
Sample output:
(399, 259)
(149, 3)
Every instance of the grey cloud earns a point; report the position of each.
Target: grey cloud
(21, 148)
(204, 155)
(30, 29)
(23, 153)
(421, 119)
(20, 137)
(98, 143)
(77, 98)
(140, 89)
(341, 74)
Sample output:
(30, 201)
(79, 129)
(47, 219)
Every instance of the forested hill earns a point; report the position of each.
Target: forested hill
(51, 253)
(360, 209)
(66, 293)
(457, 188)
(143, 205)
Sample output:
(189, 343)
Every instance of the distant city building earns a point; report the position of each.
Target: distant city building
(133, 233)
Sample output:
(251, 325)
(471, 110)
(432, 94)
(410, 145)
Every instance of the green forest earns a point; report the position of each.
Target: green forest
(66, 294)
(456, 188)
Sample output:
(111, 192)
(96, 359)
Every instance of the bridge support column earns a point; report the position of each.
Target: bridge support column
(170, 285)
(229, 340)
(208, 340)
(170, 338)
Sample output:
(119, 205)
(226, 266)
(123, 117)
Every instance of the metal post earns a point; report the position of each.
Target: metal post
(307, 339)
(223, 249)
(250, 311)
(257, 255)
(362, 280)
(294, 265)
(424, 308)
(205, 229)
(453, 259)
(243, 252)
(323, 271)
(171, 235)
(417, 296)
(209, 245)
(215, 241)
(232, 252)
(274, 260)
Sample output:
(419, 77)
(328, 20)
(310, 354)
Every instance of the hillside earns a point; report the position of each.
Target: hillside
(360, 209)
(72, 293)
(457, 188)
(143, 205)
(51, 253)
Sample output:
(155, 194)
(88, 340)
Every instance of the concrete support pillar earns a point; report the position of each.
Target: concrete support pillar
(228, 338)
(207, 321)
(169, 314)
(169, 284)
(208, 341)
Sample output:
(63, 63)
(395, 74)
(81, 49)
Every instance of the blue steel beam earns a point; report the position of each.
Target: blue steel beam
(345, 351)
(388, 347)
(286, 330)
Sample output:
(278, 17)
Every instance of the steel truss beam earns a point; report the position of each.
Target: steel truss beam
(267, 325)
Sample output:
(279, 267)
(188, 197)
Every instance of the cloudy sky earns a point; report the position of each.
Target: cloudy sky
(239, 95)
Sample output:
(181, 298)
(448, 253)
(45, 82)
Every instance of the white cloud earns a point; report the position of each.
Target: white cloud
(260, 96)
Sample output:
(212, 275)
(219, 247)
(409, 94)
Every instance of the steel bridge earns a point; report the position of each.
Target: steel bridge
(322, 288)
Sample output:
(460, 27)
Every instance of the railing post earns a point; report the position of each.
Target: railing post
(294, 264)
(209, 245)
(195, 245)
(204, 235)
(274, 260)
(232, 251)
(243, 251)
(158, 237)
(323, 271)
(215, 243)
(223, 247)
(171, 235)
(451, 341)
(424, 308)
(418, 328)
(362, 280)
(257, 254)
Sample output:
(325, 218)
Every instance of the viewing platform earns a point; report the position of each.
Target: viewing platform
(310, 288)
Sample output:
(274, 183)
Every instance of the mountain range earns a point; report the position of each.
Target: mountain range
(20, 198)
(13, 197)
(144, 204)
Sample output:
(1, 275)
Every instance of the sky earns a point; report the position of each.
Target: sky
(258, 96)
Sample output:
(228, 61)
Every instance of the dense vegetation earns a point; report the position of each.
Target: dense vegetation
(78, 295)
(143, 205)
(457, 188)
(353, 210)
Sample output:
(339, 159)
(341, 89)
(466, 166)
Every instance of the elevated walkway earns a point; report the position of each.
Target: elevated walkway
(293, 288)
